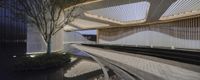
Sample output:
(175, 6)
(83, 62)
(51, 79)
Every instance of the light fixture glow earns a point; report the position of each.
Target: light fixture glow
(14, 56)
(32, 56)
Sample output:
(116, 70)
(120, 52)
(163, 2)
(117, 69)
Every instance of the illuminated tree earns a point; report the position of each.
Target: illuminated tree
(49, 16)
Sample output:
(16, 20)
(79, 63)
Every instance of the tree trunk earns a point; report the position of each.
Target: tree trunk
(49, 46)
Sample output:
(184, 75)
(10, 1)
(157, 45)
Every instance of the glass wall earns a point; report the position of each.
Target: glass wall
(12, 35)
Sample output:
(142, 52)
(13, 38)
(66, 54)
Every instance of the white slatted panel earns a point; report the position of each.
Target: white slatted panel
(123, 13)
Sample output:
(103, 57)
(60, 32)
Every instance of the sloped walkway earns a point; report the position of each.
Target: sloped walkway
(162, 70)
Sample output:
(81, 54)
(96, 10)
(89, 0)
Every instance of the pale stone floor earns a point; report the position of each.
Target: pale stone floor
(82, 67)
(85, 66)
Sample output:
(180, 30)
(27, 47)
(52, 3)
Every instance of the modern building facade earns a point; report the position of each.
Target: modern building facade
(135, 39)
(154, 23)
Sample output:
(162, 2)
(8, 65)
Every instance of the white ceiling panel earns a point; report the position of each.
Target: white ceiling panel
(69, 28)
(86, 24)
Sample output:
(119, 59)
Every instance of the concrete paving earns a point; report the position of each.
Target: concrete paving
(161, 70)
(119, 72)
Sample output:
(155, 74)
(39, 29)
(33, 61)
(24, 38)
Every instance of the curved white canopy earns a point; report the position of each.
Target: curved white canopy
(109, 13)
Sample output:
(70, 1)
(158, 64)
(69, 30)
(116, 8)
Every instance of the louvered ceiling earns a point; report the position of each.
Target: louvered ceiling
(182, 8)
(123, 12)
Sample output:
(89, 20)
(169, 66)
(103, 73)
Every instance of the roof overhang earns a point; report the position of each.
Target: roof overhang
(120, 13)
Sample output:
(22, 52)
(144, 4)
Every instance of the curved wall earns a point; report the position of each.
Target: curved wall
(178, 34)
(35, 42)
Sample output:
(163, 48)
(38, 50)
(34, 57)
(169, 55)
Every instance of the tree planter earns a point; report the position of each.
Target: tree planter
(41, 67)
(41, 62)
(53, 74)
